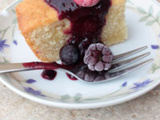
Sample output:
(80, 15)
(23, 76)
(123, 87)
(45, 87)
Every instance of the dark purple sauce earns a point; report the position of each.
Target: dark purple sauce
(49, 74)
(86, 27)
(46, 66)
(71, 77)
(86, 22)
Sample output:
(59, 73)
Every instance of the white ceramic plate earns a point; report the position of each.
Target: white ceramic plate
(143, 21)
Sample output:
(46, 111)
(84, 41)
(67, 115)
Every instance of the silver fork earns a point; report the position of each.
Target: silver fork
(87, 75)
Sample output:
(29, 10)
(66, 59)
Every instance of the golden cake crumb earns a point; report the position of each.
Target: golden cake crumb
(44, 33)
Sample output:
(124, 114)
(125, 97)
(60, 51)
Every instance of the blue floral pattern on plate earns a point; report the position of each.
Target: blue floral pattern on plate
(34, 92)
(15, 42)
(140, 85)
(3, 45)
(30, 83)
(155, 47)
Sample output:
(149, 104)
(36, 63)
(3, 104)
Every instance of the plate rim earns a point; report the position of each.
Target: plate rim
(78, 105)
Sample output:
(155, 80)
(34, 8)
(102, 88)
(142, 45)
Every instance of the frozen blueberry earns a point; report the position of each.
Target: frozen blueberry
(98, 57)
(69, 54)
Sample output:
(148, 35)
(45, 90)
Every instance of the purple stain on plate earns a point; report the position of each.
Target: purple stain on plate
(15, 42)
(30, 81)
(155, 47)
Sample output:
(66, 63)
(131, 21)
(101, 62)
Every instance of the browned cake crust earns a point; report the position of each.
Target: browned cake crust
(44, 33)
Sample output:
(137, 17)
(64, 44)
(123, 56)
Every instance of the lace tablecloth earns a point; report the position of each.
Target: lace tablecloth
(15, 107)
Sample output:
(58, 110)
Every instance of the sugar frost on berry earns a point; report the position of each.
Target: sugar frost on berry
(98, 57)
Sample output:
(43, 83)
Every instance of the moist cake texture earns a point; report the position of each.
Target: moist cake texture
(46, 33)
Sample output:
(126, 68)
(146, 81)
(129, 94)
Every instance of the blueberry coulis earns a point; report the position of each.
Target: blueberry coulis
(86, 22)
(86, 28)
(49, 74)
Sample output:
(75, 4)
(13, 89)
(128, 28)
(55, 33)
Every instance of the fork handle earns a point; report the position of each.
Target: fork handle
(13, 67)
(17, 67)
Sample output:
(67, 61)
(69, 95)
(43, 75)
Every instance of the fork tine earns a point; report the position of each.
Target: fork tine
(113, 75)
(132, 52)
(128, 61)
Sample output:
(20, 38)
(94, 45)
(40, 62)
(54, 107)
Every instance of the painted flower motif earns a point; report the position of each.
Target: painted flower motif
(15, 42)
(3, 45)
(155, 47)
(138, 86)
(30, 81)
(124, 84)
(34, 92)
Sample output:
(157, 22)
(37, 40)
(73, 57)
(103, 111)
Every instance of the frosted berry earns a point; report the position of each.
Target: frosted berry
(99, 66)
(98, 57)
(86, 3)
(69, 54)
